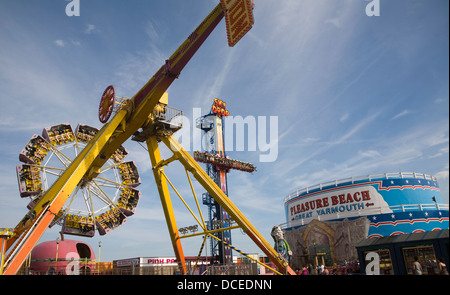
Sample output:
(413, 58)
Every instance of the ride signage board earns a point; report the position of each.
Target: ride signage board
(219, 108)
(238, 17)
(338, 203)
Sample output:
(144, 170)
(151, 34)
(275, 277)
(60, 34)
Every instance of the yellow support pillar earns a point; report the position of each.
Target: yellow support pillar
(5, 234)
(219, 196)
(161, 182)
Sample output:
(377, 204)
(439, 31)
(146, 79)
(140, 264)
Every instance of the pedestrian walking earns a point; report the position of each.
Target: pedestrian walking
(442, 267)
(417, 268)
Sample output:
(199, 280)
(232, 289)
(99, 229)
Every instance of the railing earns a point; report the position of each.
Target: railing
(162, 113)
(170, 116)
(352, 180)
(418, 207)
(247, 268)
(233, 269)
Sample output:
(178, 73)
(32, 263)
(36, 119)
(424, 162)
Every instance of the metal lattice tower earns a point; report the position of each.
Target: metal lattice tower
(212, 127)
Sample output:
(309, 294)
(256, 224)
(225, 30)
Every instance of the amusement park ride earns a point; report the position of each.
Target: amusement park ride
(218, 164)
(97, 169)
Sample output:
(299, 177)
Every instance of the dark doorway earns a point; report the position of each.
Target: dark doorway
(83, 251)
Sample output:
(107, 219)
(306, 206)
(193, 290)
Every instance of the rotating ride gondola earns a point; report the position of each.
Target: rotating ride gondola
(102, 203)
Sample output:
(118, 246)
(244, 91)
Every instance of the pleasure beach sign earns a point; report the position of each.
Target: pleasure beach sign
(338, 203)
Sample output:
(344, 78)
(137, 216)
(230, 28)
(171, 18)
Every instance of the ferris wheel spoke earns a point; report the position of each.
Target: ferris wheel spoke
(64, 159)
(104, 194)
(87, 200)
(48, 160)
(49, 169)
(93, 211)
(100, 194)
(109, 183)
(107, 168)
(72, 198)
(76, 147)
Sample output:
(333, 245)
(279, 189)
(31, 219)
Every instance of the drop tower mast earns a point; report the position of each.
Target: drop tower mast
(218, 164)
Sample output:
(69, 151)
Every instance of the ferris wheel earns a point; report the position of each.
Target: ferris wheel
(102, 203)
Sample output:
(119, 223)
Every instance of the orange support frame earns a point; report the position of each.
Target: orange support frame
(166, 202)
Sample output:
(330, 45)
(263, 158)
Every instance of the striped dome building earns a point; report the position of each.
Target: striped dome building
(332, 217)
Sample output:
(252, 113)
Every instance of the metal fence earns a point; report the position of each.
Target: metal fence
(231, 269)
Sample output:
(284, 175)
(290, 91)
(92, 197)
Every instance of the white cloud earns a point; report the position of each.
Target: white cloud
(324, 149)
(60, 43)
(309, 140)
(399, 115)
(344, 117)
(135, 68)
(90, 29)
(442, 176)
(220, 78)
(28, 80)
(250, 195)
(443, 151)
(370, 154)
(334, 21)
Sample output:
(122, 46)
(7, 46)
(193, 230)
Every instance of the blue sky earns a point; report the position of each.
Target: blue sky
(354, 95)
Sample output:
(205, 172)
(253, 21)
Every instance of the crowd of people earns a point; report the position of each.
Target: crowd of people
(353, 268)
(129, 174)
(84, 225)
(29, 180)
(35, 151)
(60, 134)
(80, 224)
(128, 200)
(342, 269)
(110, 219)
(223, 162)
(418, 268)
(85, 133)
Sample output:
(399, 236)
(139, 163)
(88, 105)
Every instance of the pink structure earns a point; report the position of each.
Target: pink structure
(62, 257)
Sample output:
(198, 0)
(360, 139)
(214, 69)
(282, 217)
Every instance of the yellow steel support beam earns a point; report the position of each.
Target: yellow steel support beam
(196, 200)
(199, 253)
(207, 232)
(245, 254)
(5, 234)
(219, 196)
(182, 200)
(145, 100)
(163, 189)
